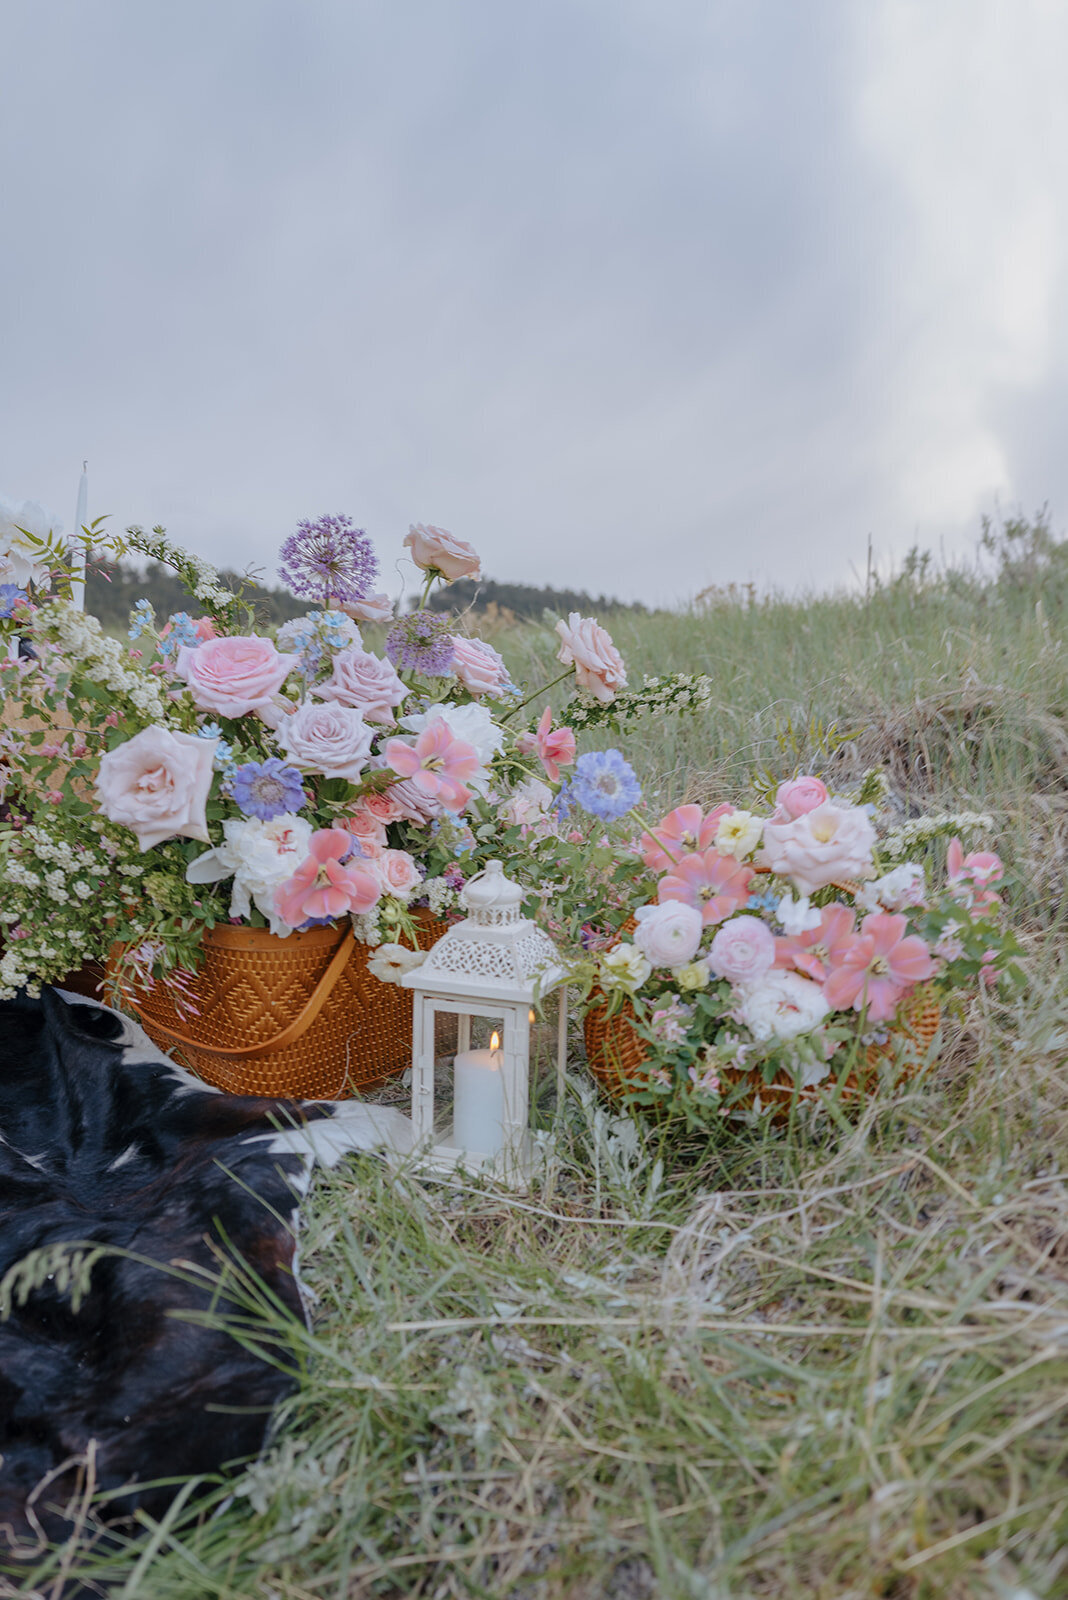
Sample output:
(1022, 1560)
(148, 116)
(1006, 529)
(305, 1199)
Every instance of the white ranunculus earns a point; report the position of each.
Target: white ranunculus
(624, 967)
(895, 891)
(20, 560)
(781, 1005)
(471, 723)
(259, 856)
(668, 935)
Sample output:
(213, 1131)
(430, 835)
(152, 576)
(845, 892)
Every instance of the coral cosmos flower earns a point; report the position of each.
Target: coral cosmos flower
(681, 833)
(329, 882)
(970, 875)
(880, 965)
(818, 949)
(717, 885)
(438, 764)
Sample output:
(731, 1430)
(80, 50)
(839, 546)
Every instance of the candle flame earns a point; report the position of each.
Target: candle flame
(495, 1040)
(530, 1014)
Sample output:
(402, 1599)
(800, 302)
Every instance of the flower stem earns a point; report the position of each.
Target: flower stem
(543, 690)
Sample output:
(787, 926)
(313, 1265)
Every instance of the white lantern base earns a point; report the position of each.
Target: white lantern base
(515, 1165)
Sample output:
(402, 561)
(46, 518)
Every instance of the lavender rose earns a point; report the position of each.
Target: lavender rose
(668, 935)
(365, 682)
(157, 784)
(331, 739)
(478, 666)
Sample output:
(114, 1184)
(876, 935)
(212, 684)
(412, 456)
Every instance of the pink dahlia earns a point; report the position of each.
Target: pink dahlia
(330, 881)
(715, 884)
(680, 833)
(438, 764)
(878, 967)
(818, 950)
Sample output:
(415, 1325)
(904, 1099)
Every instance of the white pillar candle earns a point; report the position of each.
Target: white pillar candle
(478, 1101)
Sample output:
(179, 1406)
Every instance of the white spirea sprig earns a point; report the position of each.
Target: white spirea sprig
(670, 694)
(902, 840)
(85, 646)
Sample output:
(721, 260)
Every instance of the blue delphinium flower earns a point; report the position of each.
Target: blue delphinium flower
(183, 630)
(11, 596)
(142, 616)
(763, 902)
(268, 789)
(605, 784)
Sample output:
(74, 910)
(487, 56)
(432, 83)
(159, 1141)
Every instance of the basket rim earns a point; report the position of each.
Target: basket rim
(230, 937)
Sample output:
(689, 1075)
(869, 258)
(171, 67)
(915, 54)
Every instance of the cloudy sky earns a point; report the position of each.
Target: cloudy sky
(635, 295)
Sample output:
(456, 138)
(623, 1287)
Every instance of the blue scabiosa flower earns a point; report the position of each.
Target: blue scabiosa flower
(11, 597)
(267, 789)
(604, 784)
(421, 642)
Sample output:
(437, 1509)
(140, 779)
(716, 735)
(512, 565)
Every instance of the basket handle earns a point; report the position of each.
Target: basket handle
(293, 1030)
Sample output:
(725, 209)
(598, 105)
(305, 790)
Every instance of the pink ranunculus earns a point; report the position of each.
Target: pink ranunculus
(156, 784)
(372, 608)
(365, 682)
(798, 796)
(397, 873)
(436, 550)
(830, 844)
(329, 739)
(332, 881)
(478, 666)
(680, 833)
(879, 967)
(437, 763)
(819, 949)
(743, 950)
(598, 664)
(554, 747)
(715, 884)
(234, 676)
(668, 934)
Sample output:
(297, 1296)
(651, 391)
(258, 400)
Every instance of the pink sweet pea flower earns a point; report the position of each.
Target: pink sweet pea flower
(969, 876)
(437, 764)
(821, 948)
(331, 881)
(680, 833)
(879, 967)
(715, 884)
(554, 747)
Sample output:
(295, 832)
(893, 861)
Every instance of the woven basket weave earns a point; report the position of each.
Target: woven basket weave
(616, 1055)
(300, 1017)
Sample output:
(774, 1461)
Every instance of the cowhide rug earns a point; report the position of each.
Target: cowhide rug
(104, 1139)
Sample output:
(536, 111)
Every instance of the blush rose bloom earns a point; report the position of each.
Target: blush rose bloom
(437, 550)
(329, 739)
(397, 873)
(829, 844)
(157, 784)
(598, 664)
(372, 608)
(365, 682)
(798, 796)
(668, 934)
(742, 951)
(478, 666)
(236, 675)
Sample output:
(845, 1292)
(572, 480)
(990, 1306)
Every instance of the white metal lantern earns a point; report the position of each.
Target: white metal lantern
(488, 966)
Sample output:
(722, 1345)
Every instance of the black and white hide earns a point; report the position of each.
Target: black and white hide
(104, 1139)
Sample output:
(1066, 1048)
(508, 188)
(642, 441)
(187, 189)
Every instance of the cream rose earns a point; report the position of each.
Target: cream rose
(329, 739)
(598, 664)
(478, 666)
(156, 784)
(824, 846)
(366, 682)
(236, 675)
(436, 550)
(397, 872)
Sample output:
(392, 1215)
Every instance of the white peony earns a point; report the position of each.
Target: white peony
(260, 856)
(781, 1005)
(471, 723)
(895, 891)
(20, 560)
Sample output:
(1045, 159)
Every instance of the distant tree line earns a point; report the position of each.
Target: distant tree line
(523, 600)
(113, 587)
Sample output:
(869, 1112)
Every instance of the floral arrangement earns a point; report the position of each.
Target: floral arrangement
(783, 947)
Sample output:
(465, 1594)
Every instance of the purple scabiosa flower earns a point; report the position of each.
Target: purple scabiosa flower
(421, 642)
(604, 784)
(328, 559)
(11, 597)
(267, 789)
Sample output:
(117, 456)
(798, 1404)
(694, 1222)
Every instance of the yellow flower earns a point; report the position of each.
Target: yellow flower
(694, 975)
(738, 834)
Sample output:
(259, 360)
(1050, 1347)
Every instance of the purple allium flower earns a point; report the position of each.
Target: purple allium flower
(421, 642)
(328, 559)
(268, 789)
(604, 784)
(11, 597)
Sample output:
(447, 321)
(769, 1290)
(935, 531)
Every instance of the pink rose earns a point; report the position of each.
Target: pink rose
(798, 796)
(436, 550)
(235, 676)
(668, 934)
(742, 951)
(478, 666)
(381, 807)
(397, 873)
(599, 666)
(330, 739)
(366, 682)
(830, 844)
(373, 608)
(156, 784)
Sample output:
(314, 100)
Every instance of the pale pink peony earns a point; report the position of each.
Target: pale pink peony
(397, 873)
(235, 676)
(438, 764)
(372, 608)
(554, 747)
(781, 1006)
(829, 844)
(879, 967)
(668, 934)
(819, 949)
(598, 664)
(680, 833)
(478, 666)
(716, 885)
(742, 951)
(365, 682)
(156, 784)
(798, 796)
(436, 550)
(331, 881)
(329, 739)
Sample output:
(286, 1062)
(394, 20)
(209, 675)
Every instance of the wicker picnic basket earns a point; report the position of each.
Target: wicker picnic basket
(615, 1053)
(300, 1017)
